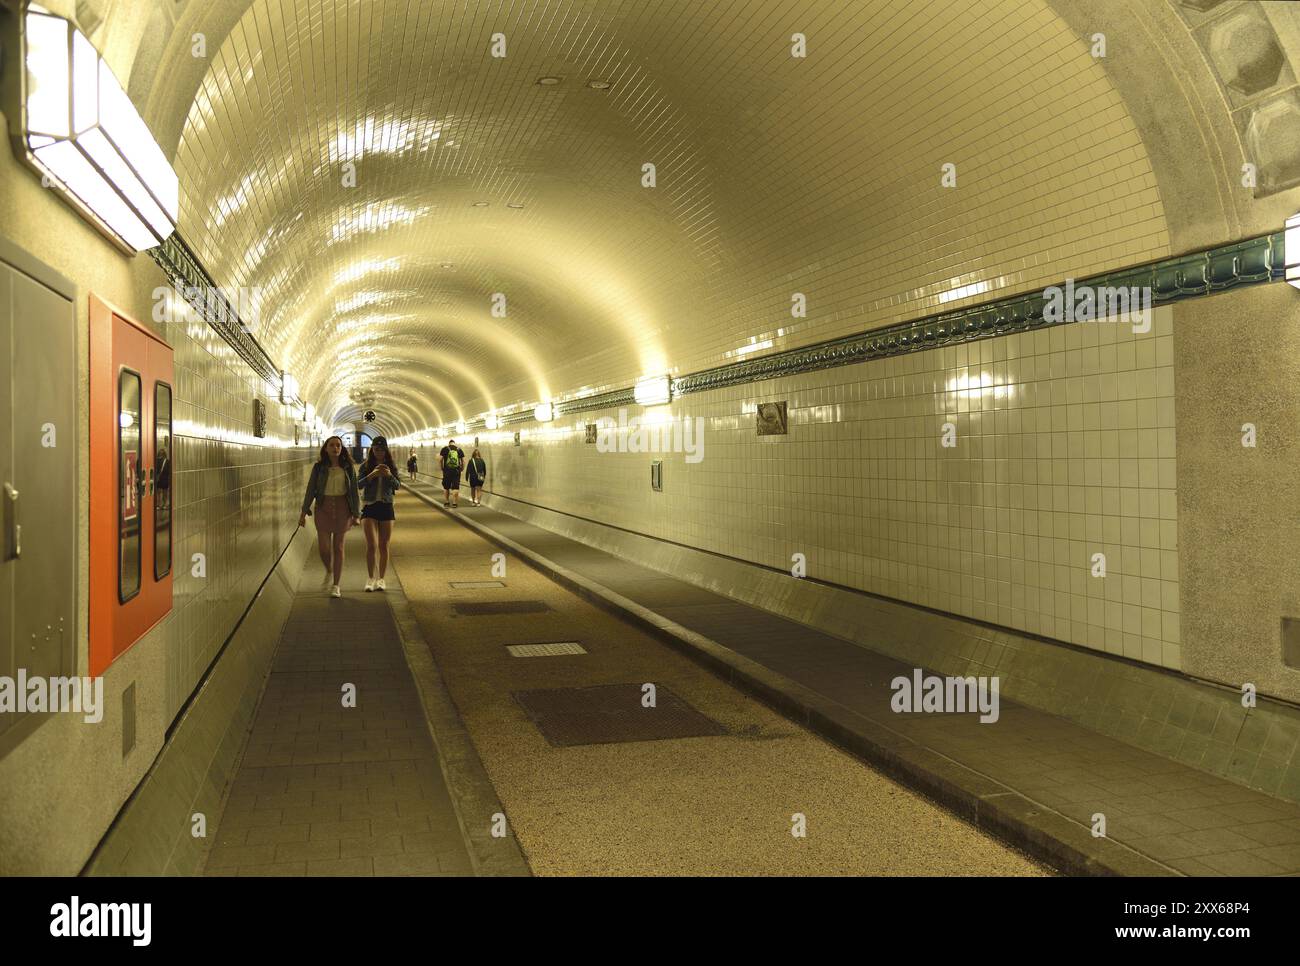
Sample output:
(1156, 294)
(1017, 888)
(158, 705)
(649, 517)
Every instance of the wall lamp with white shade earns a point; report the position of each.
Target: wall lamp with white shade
(288, 387)
(652, 391)
(1291, 246)
(544, 412)
(73, 124)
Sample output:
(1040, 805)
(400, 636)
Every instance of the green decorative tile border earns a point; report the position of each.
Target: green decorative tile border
(1249, 262)
(185, 272)
(1253, 261)
(604, 400)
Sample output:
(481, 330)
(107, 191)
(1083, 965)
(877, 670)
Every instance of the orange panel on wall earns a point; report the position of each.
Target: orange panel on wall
(131, 472)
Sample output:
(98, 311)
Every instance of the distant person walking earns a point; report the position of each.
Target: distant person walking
(451, 460)
(378, 482)
(412, 464)
(477, 471)
(332, 488)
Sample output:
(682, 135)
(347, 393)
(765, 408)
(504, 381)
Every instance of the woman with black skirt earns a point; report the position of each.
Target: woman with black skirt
(477, 470)
(378, 483)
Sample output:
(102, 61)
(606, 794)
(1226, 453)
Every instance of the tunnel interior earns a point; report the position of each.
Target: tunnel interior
(823, 341)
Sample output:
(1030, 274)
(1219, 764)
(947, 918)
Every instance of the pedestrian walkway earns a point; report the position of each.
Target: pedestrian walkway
(1038, 780)
(331, 786)
(703, 780)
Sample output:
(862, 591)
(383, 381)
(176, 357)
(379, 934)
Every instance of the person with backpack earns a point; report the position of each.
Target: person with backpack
(451, 460)
(412, 465)
(477, 470)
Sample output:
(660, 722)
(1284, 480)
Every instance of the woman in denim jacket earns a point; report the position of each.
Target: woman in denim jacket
(378, 482)
(332, 491)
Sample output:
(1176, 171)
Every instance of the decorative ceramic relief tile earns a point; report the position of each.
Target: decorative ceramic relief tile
(770, 419)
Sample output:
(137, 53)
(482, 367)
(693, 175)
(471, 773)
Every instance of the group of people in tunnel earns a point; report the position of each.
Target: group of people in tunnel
(340, 494)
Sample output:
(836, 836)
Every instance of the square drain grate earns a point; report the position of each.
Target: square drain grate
(473, 584)
(464, 609)
(612, 713)
(557, 649)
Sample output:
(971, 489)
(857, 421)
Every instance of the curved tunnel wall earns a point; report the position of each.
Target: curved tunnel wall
(1105, 164)
(235, 501)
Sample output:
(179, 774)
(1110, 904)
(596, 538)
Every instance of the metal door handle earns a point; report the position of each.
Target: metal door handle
(13, 531)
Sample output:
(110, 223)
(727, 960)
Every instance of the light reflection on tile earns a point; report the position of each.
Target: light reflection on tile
(236, 500)
(1065, 448)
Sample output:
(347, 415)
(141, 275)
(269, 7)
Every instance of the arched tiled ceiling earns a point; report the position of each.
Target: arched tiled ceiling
(775, 174)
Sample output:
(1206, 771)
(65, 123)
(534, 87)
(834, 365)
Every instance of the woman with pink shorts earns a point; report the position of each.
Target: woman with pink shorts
(332, 492)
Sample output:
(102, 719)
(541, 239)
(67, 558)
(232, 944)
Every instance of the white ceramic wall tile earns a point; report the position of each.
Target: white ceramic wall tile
(1065, 448)
(236, 499)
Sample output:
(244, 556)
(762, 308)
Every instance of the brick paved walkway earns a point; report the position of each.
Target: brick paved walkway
(329, 790)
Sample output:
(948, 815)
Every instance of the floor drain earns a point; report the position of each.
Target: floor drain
(558, 649)
(473, 584)
(463, 609)
(612, 713)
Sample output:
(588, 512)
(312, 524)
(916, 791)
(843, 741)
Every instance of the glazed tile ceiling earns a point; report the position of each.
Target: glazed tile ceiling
(775, 175)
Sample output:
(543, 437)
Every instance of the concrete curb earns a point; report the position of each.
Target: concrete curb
(472, 793)
(991, 806)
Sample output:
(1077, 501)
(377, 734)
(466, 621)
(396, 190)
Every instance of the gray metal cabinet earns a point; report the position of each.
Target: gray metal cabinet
(38, 478)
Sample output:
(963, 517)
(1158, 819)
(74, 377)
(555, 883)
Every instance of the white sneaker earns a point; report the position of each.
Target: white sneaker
(336, 592)
(379, 584)
(370, 585)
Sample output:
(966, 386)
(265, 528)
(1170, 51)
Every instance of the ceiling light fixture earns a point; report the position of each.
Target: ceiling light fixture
(479, 204)
(598, 85)
(513, 204)
(549, 81)
(79, 130)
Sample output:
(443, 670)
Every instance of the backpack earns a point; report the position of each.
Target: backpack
(453, 459)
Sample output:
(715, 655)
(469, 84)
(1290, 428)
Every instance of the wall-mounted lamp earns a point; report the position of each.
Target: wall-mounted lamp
(1291, 242)
(652, 391)
(544, 413)
(288, 387)
(75, 126)
(493, 421)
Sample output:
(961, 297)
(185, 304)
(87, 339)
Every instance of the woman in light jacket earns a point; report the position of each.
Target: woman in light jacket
(378, 482)
(332, 490)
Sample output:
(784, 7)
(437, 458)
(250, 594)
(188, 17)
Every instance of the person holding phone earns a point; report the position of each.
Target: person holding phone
(378, 482)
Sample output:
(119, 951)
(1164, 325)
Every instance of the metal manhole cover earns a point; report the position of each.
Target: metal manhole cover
(556, 649)
(473, 584)
(465, 609)
(612, 713)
